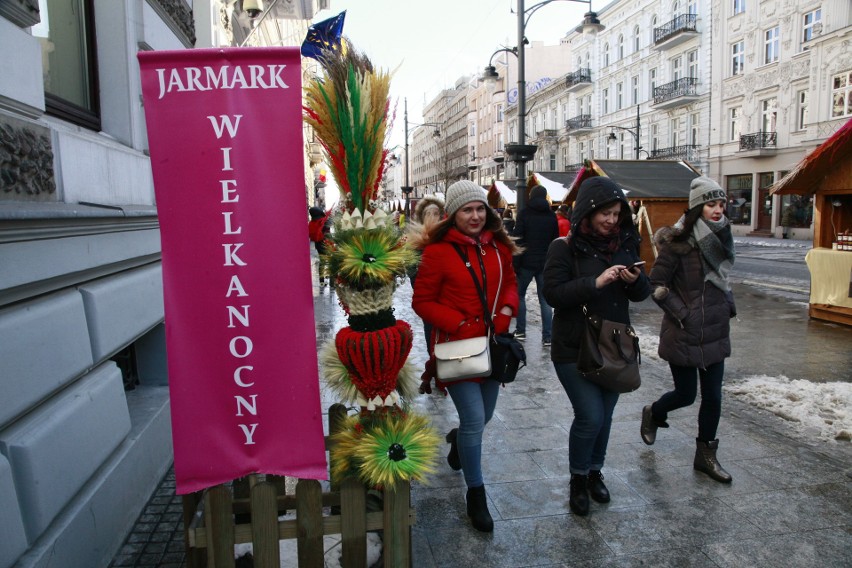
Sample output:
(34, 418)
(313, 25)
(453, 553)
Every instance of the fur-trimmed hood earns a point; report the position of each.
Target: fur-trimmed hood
(664, 237)
(425, 202)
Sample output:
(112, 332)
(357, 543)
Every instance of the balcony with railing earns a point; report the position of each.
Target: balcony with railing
(578, 80)
(687, 153)
(677, 31)
(758, 144)
(579, 124)
(680, 92)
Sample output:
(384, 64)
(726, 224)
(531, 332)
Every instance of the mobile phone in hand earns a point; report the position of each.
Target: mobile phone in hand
(635, 265)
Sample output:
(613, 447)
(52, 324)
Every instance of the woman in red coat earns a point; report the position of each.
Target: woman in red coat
(445, 296)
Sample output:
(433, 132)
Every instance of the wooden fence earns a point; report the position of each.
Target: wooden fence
(248, 509)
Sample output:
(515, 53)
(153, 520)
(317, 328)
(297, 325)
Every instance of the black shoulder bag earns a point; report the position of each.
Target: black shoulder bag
(609, 352)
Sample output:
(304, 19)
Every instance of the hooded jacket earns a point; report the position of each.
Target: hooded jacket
(695, 331)
(573, 265)
(535, 229)
(425, 202)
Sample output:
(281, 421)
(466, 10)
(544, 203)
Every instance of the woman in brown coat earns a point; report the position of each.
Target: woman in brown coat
(690, 283)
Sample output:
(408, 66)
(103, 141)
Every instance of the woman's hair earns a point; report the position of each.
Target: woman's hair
(437, 231)
(690, 217)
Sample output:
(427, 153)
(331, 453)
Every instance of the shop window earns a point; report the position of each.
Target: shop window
(67, 37)
(797, 212)
(739, 199)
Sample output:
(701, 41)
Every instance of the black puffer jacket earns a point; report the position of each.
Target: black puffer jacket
(567, 290)
(535, 228)
(696, 326)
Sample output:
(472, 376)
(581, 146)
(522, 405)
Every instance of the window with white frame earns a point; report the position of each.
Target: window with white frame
(674, 132)
(692, 64)
(811, 24)
(554, 118)
(801, 109)
(581, 151)
(677, 68)
(693, 128)
(652, 83)
(739, 6)
(500, 143)
(636, 36)
(606, 55)
(770, 45)
(841, 95)
(619, 96)
(511, 132)
(651, 30)
(655, 137)
(534, 124)
(605, 102)
(768, 114)
(734, 119)
(737, 57)
(565, 156)
(692, 6)
(634, 87)
(588, 60)
(621, 46)
(499, 113)
(621, 145)
(565, 116)
(553, 162)
(588, 105)
(675, 9)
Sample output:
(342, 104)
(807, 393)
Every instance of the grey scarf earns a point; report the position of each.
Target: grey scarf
(716, 244)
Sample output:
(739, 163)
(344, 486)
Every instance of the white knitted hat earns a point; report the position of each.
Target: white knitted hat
(704, 190)
(461, 193)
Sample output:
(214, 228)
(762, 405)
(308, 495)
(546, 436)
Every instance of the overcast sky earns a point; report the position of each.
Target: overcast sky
(433, 43)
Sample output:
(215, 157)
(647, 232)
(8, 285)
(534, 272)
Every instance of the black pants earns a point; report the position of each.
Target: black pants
(686, 386)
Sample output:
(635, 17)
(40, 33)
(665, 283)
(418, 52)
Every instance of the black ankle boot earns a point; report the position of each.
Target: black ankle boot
(597, 489)
(477, 509)
(579, 500)
(453, 457)
(648, 428)
(706, 462)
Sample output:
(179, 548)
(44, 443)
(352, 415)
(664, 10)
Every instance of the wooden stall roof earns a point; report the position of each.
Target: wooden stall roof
(809, 174)
(641, 179)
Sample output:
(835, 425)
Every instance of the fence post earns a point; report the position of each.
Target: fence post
(397, 525)
(309, 544)
(194, 556)
(264, 526)
(218, 512)
(353, 523)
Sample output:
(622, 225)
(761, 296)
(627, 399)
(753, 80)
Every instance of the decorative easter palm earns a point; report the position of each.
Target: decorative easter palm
(386, 442)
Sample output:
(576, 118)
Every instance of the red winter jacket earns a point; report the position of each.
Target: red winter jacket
(445, 295)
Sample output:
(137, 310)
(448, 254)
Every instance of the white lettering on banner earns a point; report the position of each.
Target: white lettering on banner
(229, 230)
(249, 433)
(235, 286)
(225, 122)
(189, 79)
(240, 346)
(238, 377)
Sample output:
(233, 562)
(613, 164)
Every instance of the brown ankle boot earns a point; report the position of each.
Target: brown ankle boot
(706, 462)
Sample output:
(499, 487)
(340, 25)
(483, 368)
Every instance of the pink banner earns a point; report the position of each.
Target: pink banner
(225, 134)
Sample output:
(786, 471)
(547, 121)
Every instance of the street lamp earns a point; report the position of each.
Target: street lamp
(634, 131)
(521, 153)
(407, 189)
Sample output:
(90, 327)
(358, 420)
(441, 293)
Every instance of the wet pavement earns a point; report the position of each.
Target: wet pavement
(790, 503)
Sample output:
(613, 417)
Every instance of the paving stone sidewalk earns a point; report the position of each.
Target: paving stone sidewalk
(790, 503)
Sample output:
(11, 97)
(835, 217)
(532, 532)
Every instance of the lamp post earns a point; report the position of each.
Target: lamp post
(521, 153)
(634, 131)
(407, 189)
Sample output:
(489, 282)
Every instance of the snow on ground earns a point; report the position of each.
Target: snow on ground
(822, 407)
(332, 544)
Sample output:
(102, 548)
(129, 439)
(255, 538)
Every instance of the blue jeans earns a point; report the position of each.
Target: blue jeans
(593, 408)
(686, 386)
(525, 276)
(475, 404)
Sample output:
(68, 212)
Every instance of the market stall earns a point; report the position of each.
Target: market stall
(826, 174)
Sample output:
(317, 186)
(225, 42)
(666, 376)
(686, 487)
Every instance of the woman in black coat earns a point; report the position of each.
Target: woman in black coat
(690, 283)
(590, 267)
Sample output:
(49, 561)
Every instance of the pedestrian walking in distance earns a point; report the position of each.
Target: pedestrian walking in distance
(447, 297)
(590, 268)
(690, 283)
(535, 228)
(563, 217)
